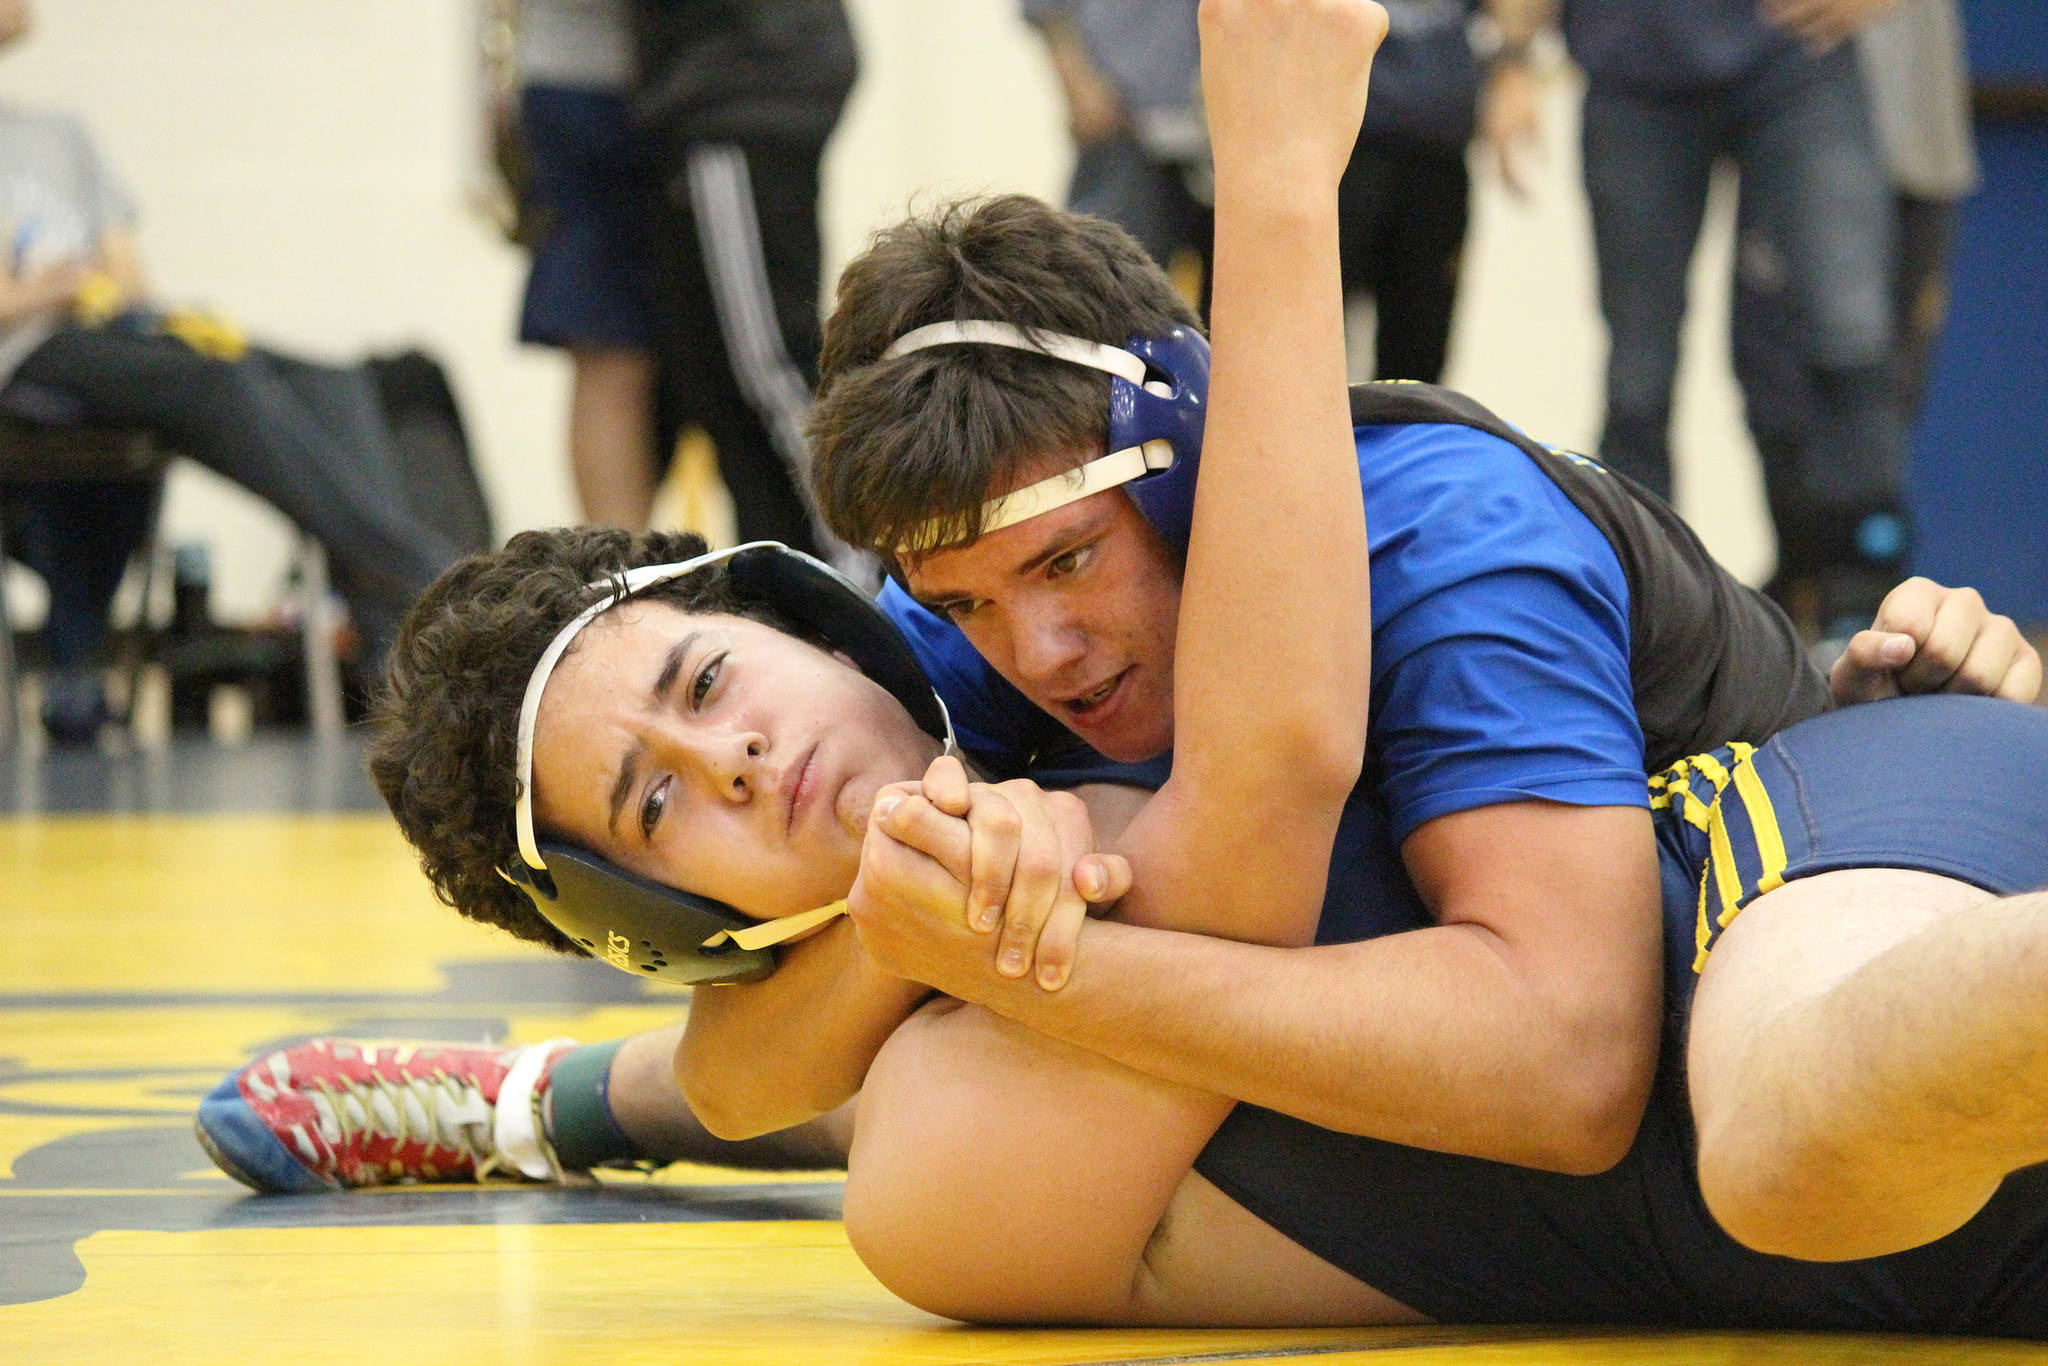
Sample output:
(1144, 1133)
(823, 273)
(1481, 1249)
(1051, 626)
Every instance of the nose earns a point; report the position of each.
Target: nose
(725, 760)
(1045, 642)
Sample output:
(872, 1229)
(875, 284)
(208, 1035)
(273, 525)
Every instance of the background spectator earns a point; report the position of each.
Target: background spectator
(587, 210)
(1913, 65)
(1671, 89)
(737, 102)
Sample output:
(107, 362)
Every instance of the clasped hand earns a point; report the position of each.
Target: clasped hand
(957, 877)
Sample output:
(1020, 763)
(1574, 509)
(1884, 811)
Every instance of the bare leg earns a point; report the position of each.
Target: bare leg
(647, 1105)
(611, 436)
(1869, 1060)
(1000, 1175)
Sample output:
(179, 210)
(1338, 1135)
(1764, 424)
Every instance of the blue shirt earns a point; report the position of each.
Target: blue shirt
(1500, 665)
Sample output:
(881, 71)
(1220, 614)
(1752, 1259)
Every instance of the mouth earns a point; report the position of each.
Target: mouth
(1097, 702)
(800, 789)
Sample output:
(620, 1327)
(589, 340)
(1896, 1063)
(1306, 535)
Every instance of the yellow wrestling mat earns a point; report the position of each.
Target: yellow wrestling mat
(147, 956)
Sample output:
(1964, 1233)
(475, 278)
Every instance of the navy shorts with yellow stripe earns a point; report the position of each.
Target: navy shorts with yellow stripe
(1956, 786)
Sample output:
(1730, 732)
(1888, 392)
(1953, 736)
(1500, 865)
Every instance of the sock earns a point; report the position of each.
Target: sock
(577, 1114)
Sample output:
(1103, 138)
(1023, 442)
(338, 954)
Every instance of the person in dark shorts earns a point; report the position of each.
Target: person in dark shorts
(587, 202)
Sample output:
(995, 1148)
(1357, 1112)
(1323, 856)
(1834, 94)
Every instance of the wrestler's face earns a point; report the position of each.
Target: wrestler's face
(718, 755)
(1077, 608)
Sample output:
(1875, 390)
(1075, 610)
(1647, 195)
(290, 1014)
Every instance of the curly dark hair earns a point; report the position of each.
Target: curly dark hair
(445, 724)
(936, 433)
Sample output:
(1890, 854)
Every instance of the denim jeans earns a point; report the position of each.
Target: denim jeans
(1778, 388)
(1798, 130)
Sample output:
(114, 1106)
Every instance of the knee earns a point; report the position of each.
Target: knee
(1773, 1185)
(910, 1183)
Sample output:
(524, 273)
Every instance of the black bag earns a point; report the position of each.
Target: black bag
(434, 464)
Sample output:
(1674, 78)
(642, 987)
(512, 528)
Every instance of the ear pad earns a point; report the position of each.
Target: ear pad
(1138, 414)
(636, 924)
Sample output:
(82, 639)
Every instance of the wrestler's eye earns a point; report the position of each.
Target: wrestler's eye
(651, 807)
(705, 677)
(959, 609)
(1071, 562)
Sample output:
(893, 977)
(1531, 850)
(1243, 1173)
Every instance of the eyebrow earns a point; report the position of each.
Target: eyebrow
(1049, 550)
(629, 763)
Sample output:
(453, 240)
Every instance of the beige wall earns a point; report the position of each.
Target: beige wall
(305, 166)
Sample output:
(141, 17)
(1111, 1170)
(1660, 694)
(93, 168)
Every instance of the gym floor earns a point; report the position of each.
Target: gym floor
(173, 911)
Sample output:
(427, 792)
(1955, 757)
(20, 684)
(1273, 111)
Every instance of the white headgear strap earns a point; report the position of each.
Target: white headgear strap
(1055, 491)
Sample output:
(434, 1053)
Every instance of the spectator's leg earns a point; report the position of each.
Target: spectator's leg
(1926, 232)
(740, 252)
(1422, 248)
(80, 537)
(1778, 400)
(611, 423)
(1647, 163)
(1811, 168)
(592, 198)
(242, 421)
(1365, 206)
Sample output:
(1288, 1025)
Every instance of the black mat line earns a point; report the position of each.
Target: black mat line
(143, 1172)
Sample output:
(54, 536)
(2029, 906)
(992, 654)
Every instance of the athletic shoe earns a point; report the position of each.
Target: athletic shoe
(334, 1114)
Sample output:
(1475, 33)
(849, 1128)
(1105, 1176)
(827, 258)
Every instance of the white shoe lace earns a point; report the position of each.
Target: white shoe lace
(443, 1111)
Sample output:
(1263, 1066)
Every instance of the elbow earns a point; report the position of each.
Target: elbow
(1325, 761)
(719, 1107)
(1589, 1150)
(1591, 1111)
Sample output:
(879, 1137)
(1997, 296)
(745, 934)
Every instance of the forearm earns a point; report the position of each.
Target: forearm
(1275, 604)
(770, 1054)
(1438, 1038)
(1273, 647)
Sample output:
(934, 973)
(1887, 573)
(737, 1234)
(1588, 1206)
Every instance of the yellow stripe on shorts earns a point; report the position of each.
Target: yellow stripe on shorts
(1763, 820)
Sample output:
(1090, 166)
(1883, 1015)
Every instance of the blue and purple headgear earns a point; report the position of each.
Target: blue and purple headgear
(1158, 401)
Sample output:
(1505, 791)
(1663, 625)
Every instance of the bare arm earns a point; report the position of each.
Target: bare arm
(25, 296)
(1095, 112)
(120, 256)
(769, 1054)
(1521, 1028)
(1272, 656)
(1510, 97)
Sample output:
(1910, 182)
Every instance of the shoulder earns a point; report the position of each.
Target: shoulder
(1446, 502)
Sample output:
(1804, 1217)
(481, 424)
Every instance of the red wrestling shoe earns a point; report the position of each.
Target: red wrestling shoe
(334, 1114)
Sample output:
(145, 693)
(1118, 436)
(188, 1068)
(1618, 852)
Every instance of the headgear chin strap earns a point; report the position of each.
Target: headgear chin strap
(1158, 397)
(642, 926)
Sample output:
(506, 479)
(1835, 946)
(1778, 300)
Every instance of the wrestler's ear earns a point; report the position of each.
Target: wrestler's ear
(849, 661)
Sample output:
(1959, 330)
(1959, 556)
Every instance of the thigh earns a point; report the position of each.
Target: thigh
(1794, 945)
(1842, 838)
(998, 1174)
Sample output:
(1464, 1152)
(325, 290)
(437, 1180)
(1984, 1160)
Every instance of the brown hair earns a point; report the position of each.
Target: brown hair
(445, 725)
(936, 433)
